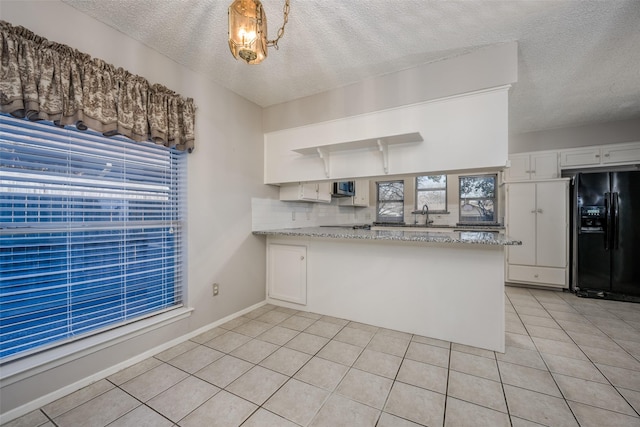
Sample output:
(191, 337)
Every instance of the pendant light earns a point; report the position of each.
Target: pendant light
(248, 30)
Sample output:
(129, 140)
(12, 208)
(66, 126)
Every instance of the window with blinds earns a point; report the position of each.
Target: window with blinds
(91, 233)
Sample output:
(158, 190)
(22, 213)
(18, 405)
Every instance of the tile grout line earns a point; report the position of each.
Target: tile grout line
(395, 379)
(446, 394)
(495, 359)
(49, 418)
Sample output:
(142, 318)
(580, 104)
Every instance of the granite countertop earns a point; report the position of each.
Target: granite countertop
(471, 237)
(457, 227)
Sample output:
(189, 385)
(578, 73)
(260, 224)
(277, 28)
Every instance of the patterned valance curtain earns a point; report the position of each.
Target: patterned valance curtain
(43, 80)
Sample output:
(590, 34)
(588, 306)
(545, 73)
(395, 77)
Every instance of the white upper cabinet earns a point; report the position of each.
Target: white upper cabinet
(614, 154)
(580, 157)
(306, 192)
(627, 153)
(324, 192)
(525, 167)
(361, 197)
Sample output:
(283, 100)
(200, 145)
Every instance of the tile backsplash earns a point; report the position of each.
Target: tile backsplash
(272, 214)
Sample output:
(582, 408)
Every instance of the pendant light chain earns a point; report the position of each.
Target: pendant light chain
(274, 43)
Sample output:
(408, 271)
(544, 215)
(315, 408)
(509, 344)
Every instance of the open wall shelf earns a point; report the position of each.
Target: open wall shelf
(381, 144)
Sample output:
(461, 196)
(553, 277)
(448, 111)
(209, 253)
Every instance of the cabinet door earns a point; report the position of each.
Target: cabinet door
(621, 154)
(519, 169)
(552, 200)
(544, 166)
(324, 192)
(521, 222)
(580, 157)
(287, 273)
(309, 191)
(362, 193)
(361, 196)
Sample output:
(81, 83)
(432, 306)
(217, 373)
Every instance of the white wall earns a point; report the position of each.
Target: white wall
(462, 132)
(577, 136)
(484, 68)
(224, 172)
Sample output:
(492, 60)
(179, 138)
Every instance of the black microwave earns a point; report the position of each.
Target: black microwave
(344, 189)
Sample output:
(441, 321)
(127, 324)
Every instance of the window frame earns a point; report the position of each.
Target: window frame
(446, 193)
(389, 219)
(494, 199)
(177, 281)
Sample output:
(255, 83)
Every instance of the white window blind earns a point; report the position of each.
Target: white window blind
(91, 233)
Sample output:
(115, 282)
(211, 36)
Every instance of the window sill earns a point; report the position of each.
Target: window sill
(19, 369)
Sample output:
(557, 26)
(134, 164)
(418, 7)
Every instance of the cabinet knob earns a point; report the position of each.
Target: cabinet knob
(533, 211)
(535, 275)
(301, 257)
(539, 210)
(606, 155)
(597, 156)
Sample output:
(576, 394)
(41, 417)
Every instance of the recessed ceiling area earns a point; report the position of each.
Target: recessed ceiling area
(578, 61)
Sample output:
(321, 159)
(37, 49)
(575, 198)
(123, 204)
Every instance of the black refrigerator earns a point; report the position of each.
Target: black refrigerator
(607, 227)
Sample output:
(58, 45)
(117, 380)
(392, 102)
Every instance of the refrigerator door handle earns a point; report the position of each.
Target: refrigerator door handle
(615, 218)
(607, 216)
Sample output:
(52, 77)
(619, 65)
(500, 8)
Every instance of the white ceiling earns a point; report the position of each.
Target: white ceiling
(578, 61)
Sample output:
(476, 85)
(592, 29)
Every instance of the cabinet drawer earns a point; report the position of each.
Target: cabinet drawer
(542, 275)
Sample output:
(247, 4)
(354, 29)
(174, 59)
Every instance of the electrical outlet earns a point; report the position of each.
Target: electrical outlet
(216, 289)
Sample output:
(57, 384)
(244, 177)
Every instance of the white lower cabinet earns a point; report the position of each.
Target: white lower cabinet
(537, 214)
(287, 272)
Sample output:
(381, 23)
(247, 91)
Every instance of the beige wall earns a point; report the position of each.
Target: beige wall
(578, 136)
(224, 172)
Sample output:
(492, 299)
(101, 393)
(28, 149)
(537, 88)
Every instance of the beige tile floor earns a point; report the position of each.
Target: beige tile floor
(568, 362)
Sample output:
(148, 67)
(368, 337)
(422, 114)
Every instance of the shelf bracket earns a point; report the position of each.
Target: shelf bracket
(384, 148)
(324, 155)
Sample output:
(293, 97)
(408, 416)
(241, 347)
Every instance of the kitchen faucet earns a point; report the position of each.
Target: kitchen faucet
(425, 211)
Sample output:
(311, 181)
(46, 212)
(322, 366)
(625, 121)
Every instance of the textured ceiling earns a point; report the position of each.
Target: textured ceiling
(578, 61)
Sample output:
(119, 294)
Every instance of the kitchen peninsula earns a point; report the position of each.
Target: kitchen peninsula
(439, 284)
